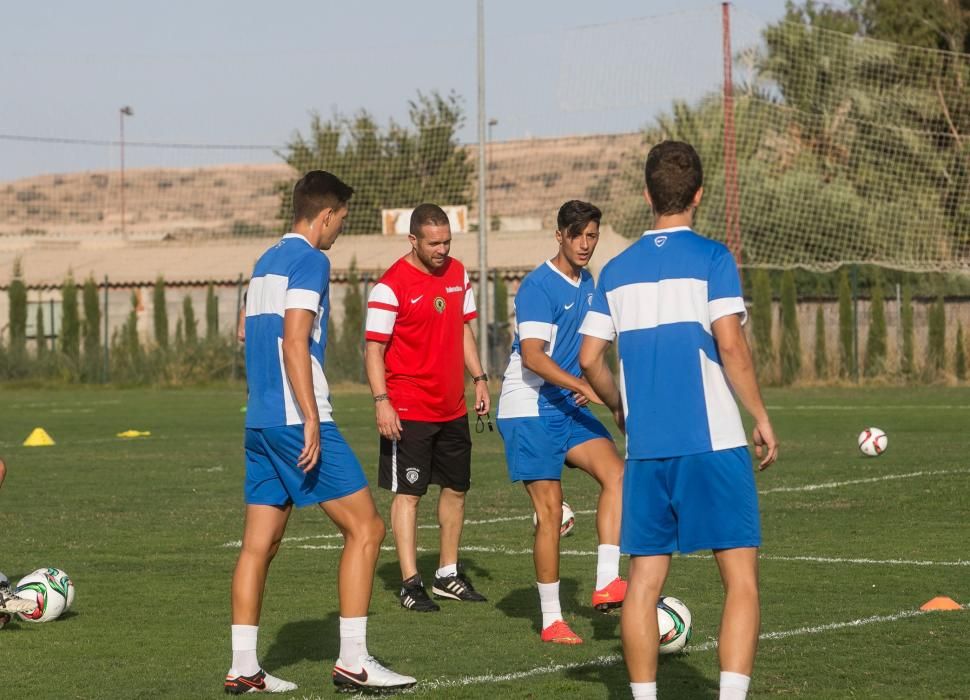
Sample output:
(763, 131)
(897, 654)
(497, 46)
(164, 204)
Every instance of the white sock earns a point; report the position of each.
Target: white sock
(607, 564)
(244, 662)
(353, 640)
(734, 686)
(549, 603)
(449, 570)
(644, 691)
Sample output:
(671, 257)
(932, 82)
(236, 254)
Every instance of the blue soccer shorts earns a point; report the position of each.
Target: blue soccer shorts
(683, 504)
(274, 479)
(536, 446)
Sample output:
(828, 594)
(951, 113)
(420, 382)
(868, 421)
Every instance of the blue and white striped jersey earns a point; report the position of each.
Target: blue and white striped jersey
(290, 275)
(548, 306)
(659, 298)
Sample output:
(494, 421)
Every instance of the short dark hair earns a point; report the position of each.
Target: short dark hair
(575, 215)
(316, 191)
(673, 174)
(427, 214)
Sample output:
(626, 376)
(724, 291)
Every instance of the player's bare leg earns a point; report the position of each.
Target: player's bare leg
(638, 623)
(451, 519)
(357, 519)
(741, 618)
(262, 535)
(450, 582)
(404, 523)
(599, 459)
(546, 495)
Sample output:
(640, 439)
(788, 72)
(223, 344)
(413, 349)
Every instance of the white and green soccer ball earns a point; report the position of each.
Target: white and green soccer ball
(674, 621)
(568, 520)
(48, 587)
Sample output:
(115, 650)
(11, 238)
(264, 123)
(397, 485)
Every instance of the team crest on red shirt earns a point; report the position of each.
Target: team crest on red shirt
(439, 304)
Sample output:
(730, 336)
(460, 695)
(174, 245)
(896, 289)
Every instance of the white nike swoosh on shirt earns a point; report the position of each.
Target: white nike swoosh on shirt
(569, 306)
(416, 299)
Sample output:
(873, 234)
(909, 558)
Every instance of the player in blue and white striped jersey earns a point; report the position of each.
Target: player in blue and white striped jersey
(544, 419)
(295, 455)
(672, 302)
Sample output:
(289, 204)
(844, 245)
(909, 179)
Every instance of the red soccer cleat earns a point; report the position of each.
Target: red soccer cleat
(611, 596)
(559, 633)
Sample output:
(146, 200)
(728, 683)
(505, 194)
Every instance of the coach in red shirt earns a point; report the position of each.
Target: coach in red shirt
(419, 343)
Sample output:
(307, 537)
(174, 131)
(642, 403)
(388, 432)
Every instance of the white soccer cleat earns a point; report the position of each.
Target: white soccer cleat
(10, 603)
(370, 675)
(259, 682)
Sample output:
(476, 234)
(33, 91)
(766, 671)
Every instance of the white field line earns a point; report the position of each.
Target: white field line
(614, 659)
(853, 482)
(900, 406)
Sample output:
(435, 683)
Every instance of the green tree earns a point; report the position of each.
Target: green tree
(906, 363)
(761, 322)
(501, 338)
(161, 313)
(41, 336)
(876, 343)
(936, 340)
(70, 339)
(846, 325)
(17, 300)
(821, 354)
(791, 345)
(211, 313)
(189, 322)
(396, 166)
(960, 361)
(91, 330)
(349, 344)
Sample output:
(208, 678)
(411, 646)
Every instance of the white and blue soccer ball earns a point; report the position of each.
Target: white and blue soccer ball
(675, 623)
(48, 589)
(568, 520)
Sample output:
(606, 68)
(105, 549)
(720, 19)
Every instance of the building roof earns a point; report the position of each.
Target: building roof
(47, 262)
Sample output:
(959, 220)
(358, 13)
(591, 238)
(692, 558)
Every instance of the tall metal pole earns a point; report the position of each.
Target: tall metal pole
(122, 113)
(732, 204)
(482, 208)
(104, 374)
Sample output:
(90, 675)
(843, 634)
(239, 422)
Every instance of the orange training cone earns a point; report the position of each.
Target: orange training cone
(941, 602)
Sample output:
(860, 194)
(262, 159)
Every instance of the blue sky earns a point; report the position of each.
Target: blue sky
(248, 72)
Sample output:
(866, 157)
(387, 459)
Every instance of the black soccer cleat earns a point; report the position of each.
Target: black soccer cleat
(456, 587)
(259, 682)
(414, 597)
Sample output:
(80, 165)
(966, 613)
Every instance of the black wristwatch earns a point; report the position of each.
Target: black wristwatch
(480, 378)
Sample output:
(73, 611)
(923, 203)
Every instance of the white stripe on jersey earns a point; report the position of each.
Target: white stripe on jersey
(267, 295)
(383, 294)
(380, 321)
(302, 299)
(538, 330)
(719, 308)
(650, 304)
(598, 325)
(723, 419)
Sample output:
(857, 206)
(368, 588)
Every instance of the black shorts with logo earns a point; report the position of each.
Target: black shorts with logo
(427, 453)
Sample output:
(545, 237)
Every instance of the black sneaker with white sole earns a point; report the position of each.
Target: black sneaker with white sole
(414, 597)
(456, 587)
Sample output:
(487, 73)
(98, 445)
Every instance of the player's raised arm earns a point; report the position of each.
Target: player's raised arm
(297, 324)
(739, 368)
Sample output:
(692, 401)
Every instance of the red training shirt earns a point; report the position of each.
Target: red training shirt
(421, 316)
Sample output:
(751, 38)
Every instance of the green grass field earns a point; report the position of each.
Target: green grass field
(853, 546)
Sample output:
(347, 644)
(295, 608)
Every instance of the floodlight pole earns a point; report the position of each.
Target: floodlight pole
(125, 111)
(482, 209)
(732, 205)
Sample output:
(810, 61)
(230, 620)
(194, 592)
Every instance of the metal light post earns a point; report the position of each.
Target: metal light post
(482, 208)
(125, 111)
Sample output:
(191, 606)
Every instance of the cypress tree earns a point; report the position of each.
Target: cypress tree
(791, 346)
(161, 313)
(70, 322)
(17, 296)
(876, 343)
(40, 334)
(761, 324)
(211, 313)
(961, 355)
(92, 330)
(906, 363)
(846, 322)
(189, 323)
(821, 354)
(351, 353)
(936, 342)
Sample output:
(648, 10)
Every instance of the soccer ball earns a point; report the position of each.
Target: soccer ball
(66, 585)
(873, 442)
(568, 520)
(674, 621)
(49, 592)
